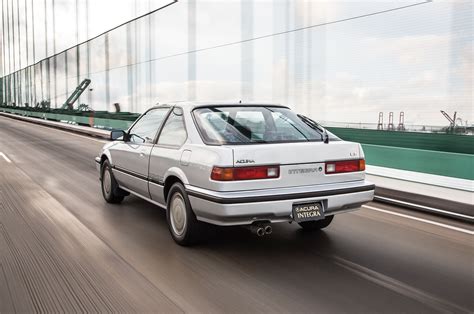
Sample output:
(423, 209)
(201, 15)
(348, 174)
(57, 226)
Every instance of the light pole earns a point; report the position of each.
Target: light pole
(90, 91)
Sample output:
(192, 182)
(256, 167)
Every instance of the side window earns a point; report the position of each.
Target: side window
(174, 131)
(145, 129)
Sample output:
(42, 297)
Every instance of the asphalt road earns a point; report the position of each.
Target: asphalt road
(377, 259)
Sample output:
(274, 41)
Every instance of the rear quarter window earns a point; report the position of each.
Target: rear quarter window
(174, 131)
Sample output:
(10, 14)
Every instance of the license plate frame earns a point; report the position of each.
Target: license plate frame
(308, 211)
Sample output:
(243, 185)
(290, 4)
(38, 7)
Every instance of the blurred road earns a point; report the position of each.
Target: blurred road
(377, 259)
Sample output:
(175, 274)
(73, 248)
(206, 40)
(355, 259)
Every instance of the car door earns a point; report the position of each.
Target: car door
(131, 157)
(167, 153)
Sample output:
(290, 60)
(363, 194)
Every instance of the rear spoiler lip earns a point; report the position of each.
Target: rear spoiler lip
(239, 105)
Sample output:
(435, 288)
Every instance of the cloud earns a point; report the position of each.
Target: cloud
(410, 50)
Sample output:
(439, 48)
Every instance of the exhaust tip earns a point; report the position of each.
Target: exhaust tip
(260, 232)
(268, 229)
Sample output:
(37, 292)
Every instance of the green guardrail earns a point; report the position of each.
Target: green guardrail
(111, 121)
(433, 162)
(129, 116)
(452, 143)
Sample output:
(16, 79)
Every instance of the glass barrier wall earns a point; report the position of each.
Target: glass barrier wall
(339, 62)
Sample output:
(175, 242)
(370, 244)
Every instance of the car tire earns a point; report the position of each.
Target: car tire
(184, 227)
(110, 189)
(317, 224)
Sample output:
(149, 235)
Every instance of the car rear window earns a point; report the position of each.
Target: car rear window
(248, 125)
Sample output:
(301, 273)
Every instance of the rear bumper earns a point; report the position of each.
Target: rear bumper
(275, 205)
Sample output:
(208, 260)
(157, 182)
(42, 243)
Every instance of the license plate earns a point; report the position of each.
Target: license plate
(307, 212)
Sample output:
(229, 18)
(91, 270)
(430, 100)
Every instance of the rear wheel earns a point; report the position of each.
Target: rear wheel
(317, 224)
(110, 189)
(183, 225)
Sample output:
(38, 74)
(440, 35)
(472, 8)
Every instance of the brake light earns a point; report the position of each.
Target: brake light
(345, 166)
(245, 173)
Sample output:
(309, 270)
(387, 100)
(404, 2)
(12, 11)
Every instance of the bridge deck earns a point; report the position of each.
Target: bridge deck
(62, 248)
(50, 262)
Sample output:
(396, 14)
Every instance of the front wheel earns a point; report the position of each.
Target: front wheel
(317, 224)
(182, 223)
(110, 189)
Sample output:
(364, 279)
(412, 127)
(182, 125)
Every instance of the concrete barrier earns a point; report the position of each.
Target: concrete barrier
(104, 134)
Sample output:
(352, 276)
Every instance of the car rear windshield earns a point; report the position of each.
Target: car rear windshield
(249, 125)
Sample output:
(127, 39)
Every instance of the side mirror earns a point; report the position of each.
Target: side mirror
(117, 134)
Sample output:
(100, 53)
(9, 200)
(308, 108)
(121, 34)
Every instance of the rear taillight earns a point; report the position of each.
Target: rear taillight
(245, 173)
(345, 166)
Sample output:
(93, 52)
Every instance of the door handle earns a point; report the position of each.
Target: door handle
(142, 155)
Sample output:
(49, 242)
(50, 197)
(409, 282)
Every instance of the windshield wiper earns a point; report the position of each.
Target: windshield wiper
(312, 124)
(290, 122)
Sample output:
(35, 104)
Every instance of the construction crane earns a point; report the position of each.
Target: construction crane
(380, 124)
(401, 121)
(452, 121)
(69, 104)
(390, 126)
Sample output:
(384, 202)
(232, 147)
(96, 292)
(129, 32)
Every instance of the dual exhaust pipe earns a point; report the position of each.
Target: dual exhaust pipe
(261, 229)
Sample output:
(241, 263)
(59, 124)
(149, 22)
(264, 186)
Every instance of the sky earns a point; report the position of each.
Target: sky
(418, 60)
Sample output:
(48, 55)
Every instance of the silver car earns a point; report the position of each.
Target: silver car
(234, 164)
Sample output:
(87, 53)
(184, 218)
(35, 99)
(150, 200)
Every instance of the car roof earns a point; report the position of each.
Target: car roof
(188, 105)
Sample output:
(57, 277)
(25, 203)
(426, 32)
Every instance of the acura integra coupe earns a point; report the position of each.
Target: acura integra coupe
(234, 164)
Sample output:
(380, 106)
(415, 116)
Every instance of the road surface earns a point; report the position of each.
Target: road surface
(62, 248)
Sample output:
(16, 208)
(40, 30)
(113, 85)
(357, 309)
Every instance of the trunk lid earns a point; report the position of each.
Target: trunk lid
(300, 163)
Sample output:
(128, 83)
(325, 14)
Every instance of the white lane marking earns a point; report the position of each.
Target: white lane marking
(5, 157)
(399, 287)
(420, 219)
(425, 207)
